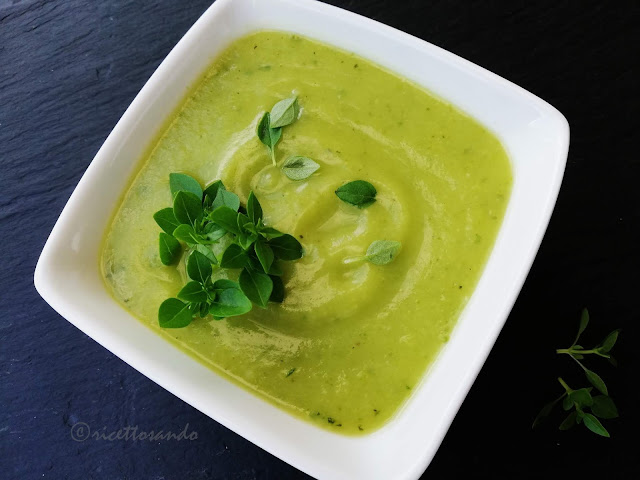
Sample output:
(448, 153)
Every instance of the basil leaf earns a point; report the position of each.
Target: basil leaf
(166, 220)
(596, 381)
(213, 232)
(234, 257)
(584, 321)
(277, 294)
(187, 234)
(567, 403)
(227, 199)
(203, 311)
(212, 189)
(227, 218)
(285, 112)
(358, 193)
(256, 286)
(179, 182)
(275, 269)
(609, 341)
(604, 407)
(223, 283)
(264, 254)
(193, 292)
(254, 210)
(299, 168)
(187, 208)
(230, 301)
(286, 247)
(241, 221)
(582, 397)
(268, 135)
(207, 252)
(170, 249)
(174, 314)
(382, 252)
(198, 267)
(569, 422)
(593, 424)
(269, 232)
(246, 241)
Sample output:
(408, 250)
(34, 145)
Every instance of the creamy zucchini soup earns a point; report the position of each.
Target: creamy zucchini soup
(327, 282)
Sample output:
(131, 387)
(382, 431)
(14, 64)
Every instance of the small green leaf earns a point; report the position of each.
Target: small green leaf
(286, 247)
(187, 234)
(358, 193)
(234, 257)
(612, 361)
(207, 252)
(174, 314)
(193, 292)
(246, 241)
(212, 189)
(203, 311)
(275, 269)
(285, 112)
(609, 341)
(226, 199)
(567, 403)
(170, 249)
(179, 182)
(254, 210)
(227, 218)
(264, 254)
(269, 233)
(299, 168)
(569, 422)
(593, 424)
(166, 220)
(546, 410)
(381, 252)
(256, 286)
(582, 397)
(198, 267)
(213, 232)
(596, 381)
(604, 407)
(230, 301)
(290, 372)
(187, 208)
(268, 135)
(241, 221)
(277, 294)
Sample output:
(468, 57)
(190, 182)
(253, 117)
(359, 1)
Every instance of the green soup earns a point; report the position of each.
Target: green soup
(351, 340)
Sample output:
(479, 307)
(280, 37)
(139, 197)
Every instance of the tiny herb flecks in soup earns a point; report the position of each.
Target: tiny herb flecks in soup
(392, 197)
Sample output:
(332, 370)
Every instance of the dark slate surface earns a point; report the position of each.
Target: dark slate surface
(68, 70)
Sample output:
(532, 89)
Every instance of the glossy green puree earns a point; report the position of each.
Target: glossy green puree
(359, 336)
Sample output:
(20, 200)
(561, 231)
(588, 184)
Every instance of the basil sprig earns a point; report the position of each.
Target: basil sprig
(269, 128)
(579, 402)
(201, 221)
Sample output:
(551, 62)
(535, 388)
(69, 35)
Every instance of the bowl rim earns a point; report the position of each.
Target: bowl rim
(65, 239)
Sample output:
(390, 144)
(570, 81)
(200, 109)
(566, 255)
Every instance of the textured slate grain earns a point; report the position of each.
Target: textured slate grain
(69, 69)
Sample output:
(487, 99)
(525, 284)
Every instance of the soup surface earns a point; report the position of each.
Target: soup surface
(351, 340)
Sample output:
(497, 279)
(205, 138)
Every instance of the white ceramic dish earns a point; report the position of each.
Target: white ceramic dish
(534, 133)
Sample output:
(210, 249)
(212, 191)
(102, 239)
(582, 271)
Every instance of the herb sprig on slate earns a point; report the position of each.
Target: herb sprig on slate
(203, 218)
(580, 401)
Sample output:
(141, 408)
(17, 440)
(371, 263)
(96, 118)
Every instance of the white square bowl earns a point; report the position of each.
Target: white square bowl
(535, 135)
